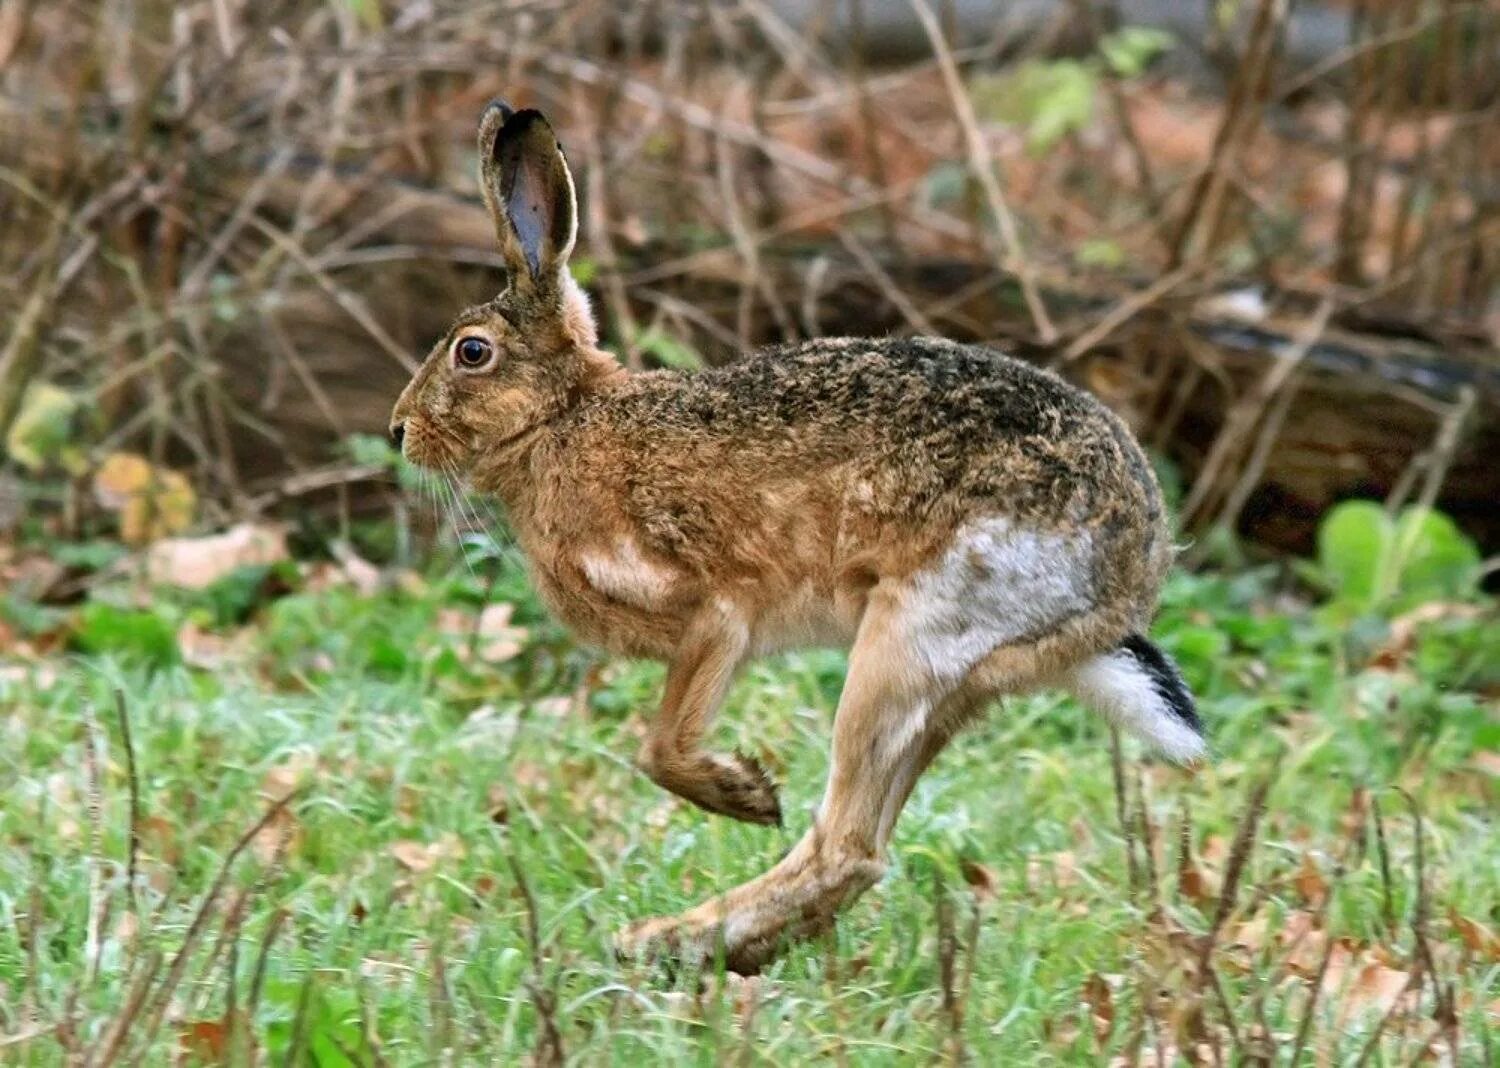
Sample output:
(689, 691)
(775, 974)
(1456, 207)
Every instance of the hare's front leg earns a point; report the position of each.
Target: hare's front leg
(892, 720)
(697, 681)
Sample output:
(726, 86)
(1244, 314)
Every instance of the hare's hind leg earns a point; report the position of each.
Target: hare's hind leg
(892, 720)
(697, 681)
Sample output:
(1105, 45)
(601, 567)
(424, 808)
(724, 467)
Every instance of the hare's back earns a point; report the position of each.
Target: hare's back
(930, 421)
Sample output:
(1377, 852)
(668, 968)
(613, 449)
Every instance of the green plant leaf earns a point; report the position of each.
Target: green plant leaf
(667, 350)
(1130, 49)
(1431, 557)
(1100, 252)
(1354, 541)
(43, 428)
(1051, 99)
(104, 628)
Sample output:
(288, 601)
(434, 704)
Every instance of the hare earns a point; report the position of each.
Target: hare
(966, 524)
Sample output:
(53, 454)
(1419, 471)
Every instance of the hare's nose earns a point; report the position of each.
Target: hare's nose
(398, 432)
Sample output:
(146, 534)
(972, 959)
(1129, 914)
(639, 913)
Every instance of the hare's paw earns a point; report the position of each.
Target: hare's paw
(690, 941)
(727, 784)
(745, 791)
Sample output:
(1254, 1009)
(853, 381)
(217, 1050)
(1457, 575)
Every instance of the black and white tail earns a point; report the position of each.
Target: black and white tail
(1138, 687)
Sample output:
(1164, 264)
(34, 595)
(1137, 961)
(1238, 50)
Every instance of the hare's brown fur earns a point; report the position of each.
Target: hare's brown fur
(967, 524)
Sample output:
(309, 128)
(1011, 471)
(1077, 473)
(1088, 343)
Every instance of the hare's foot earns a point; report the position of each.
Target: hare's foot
(748, 926)
(730, 784)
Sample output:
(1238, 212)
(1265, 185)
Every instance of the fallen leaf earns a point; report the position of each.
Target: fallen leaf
(981, 878)
(413, 856)
(1374, 989)
(159, 837)
(1060, 870)
(1193, 884)
(209, 651)
(1309, 881)
(1100, 999)
(346, 569)
(419, 857)
(195, 563)
(277, 838)
(205, 1040)
(362, 575)
(281, 779)
(1476, 936)
(1251, 934)
(499, 641)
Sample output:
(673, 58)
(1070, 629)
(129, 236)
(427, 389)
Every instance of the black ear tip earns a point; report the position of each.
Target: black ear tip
(497, 111)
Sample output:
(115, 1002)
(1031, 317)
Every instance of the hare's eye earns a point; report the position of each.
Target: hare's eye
(472, 352)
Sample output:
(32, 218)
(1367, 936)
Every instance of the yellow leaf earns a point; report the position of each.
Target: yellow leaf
(152, 502)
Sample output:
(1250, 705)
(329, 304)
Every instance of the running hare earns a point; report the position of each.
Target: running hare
(966, 524)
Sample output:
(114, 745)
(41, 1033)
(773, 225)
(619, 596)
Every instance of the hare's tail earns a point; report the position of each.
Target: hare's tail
(1138, 687)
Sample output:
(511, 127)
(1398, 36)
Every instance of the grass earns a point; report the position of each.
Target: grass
(442, 804)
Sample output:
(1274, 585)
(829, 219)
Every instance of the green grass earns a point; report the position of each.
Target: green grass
(398, 927)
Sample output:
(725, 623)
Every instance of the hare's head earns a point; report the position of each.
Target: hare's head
(505, 368)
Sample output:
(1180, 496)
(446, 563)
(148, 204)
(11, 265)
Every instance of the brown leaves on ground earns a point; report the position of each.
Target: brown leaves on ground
(1099, 999)
(1476, 937)
(418, 857)
(227, 1039)
(196, 563)
(489, 636)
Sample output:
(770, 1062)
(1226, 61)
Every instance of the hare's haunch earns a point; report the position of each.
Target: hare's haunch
(966, 524)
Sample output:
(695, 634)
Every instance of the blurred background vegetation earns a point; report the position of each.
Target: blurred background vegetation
(1268, 234)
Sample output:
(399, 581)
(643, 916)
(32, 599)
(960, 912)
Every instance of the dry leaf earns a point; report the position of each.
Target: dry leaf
(362, 575)
(1374, 989)
(283, 778)
(1100, 999)
(1193, 884)
(981, 878)
(413, 856)
(1476, 936)
(1251, 934)
(418, 857)
(277, 838)
(1059, 870)
(1310, 882)
(209, 651)
(159, 838)
(346, 569)
(152, 502)
(207, 1040)
(498, 640)
(194, 563)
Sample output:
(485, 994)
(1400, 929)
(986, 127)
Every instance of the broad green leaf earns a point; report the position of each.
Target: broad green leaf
(1431, 557)
(43, 428)
(667, 350)
(1130, 49)
(104, 628)
(1051, 99)
(1353, 544)
(1100, 252)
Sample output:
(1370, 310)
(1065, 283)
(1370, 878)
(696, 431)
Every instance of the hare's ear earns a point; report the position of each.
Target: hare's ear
(529, 191)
